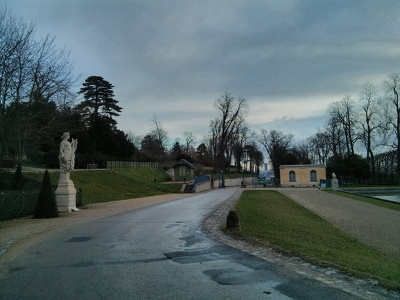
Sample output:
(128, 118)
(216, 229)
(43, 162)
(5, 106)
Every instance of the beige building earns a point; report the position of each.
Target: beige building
(302, 175)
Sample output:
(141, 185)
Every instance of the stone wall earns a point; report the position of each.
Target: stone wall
(248, 181)
(230, 182)
(201, 187)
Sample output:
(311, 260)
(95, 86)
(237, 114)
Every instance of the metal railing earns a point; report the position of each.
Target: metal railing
(132, 165)
(16, 204)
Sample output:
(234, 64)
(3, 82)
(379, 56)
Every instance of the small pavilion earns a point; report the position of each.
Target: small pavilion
(302, 175)
(183, 170)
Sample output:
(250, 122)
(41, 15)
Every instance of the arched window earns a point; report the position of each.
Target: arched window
(292, 176)
(313, 175)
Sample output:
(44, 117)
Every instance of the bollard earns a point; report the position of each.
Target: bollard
(232, 221)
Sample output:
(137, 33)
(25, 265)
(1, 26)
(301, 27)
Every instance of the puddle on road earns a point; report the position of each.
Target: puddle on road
(235, 277)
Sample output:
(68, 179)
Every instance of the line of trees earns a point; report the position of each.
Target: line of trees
(35, 80)
(37, 105)
(368, 125)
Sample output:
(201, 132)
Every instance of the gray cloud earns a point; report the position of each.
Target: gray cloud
(174, 58)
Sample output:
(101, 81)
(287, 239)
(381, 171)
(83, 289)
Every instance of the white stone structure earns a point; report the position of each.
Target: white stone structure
(334, 182)
(66, 192)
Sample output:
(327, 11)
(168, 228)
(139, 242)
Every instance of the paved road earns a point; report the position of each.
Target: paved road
(156, 252)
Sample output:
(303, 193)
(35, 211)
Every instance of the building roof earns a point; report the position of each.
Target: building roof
(301, 166)
(183, 162)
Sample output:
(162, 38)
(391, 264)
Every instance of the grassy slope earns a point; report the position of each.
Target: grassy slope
(103, 186)
(272, 219)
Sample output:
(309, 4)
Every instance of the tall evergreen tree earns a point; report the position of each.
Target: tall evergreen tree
(99, 101)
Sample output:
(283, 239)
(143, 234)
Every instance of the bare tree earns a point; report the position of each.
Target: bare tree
(190, 140)
(334, 131)
(320, 146)
(242, 137)
(277, 145)
(369, 122)
(392, 113)
(159, 133)
(302, 152)
(231, 112)
(342, 114)
(35, 78)
(15, 41)
(254, 158)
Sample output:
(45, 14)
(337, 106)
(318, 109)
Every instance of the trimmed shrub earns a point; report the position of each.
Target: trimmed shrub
(46, 206)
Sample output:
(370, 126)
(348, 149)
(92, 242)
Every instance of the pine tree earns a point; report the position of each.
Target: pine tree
(46, 206)
(99, 101)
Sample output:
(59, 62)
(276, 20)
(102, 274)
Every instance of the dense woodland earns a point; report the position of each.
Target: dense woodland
(360, 141)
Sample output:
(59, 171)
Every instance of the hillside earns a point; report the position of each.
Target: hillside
(102, 185)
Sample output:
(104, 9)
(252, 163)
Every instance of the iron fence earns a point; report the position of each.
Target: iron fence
(16, 204)
(132, 165)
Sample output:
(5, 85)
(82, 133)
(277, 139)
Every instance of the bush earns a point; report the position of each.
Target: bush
(46, 206)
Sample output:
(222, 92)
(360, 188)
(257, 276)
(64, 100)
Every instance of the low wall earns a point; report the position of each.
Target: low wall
(230, 182)
(201, 187)
(248, 181)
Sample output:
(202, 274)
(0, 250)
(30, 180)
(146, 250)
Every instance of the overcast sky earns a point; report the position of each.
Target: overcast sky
(289, 59)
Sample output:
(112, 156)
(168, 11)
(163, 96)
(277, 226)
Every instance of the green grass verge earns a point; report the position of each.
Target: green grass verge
(269, 218)
(103, 186)
(382, 203)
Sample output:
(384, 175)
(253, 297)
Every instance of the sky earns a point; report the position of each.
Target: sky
(173, 58)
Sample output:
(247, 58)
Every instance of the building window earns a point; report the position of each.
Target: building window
(292, 176)
(313, 175)
(182, 170)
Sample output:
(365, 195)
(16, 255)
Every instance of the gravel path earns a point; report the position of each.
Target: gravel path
(373, 225)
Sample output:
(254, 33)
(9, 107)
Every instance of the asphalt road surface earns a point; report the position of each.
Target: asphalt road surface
(156, 252)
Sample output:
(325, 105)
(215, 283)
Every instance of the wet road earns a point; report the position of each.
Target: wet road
(153, 253)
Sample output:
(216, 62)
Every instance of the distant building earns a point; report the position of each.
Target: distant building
(183, 170)
(302, 175)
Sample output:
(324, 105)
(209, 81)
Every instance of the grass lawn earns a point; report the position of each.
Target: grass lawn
(382, 203)
(272, 219)
(102, 186)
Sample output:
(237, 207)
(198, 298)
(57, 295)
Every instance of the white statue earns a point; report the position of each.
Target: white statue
(334, 182)
(66, 192)
(67, 153)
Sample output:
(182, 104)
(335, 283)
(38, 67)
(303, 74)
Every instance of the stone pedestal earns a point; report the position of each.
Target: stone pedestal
(65, 194)
(335, 184)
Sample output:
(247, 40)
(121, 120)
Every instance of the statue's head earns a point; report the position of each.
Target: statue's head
(65, 135)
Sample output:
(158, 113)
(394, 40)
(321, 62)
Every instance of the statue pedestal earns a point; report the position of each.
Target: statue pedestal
(335, 184)
(65, 194)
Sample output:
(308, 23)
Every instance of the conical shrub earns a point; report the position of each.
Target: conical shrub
(46, 206)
